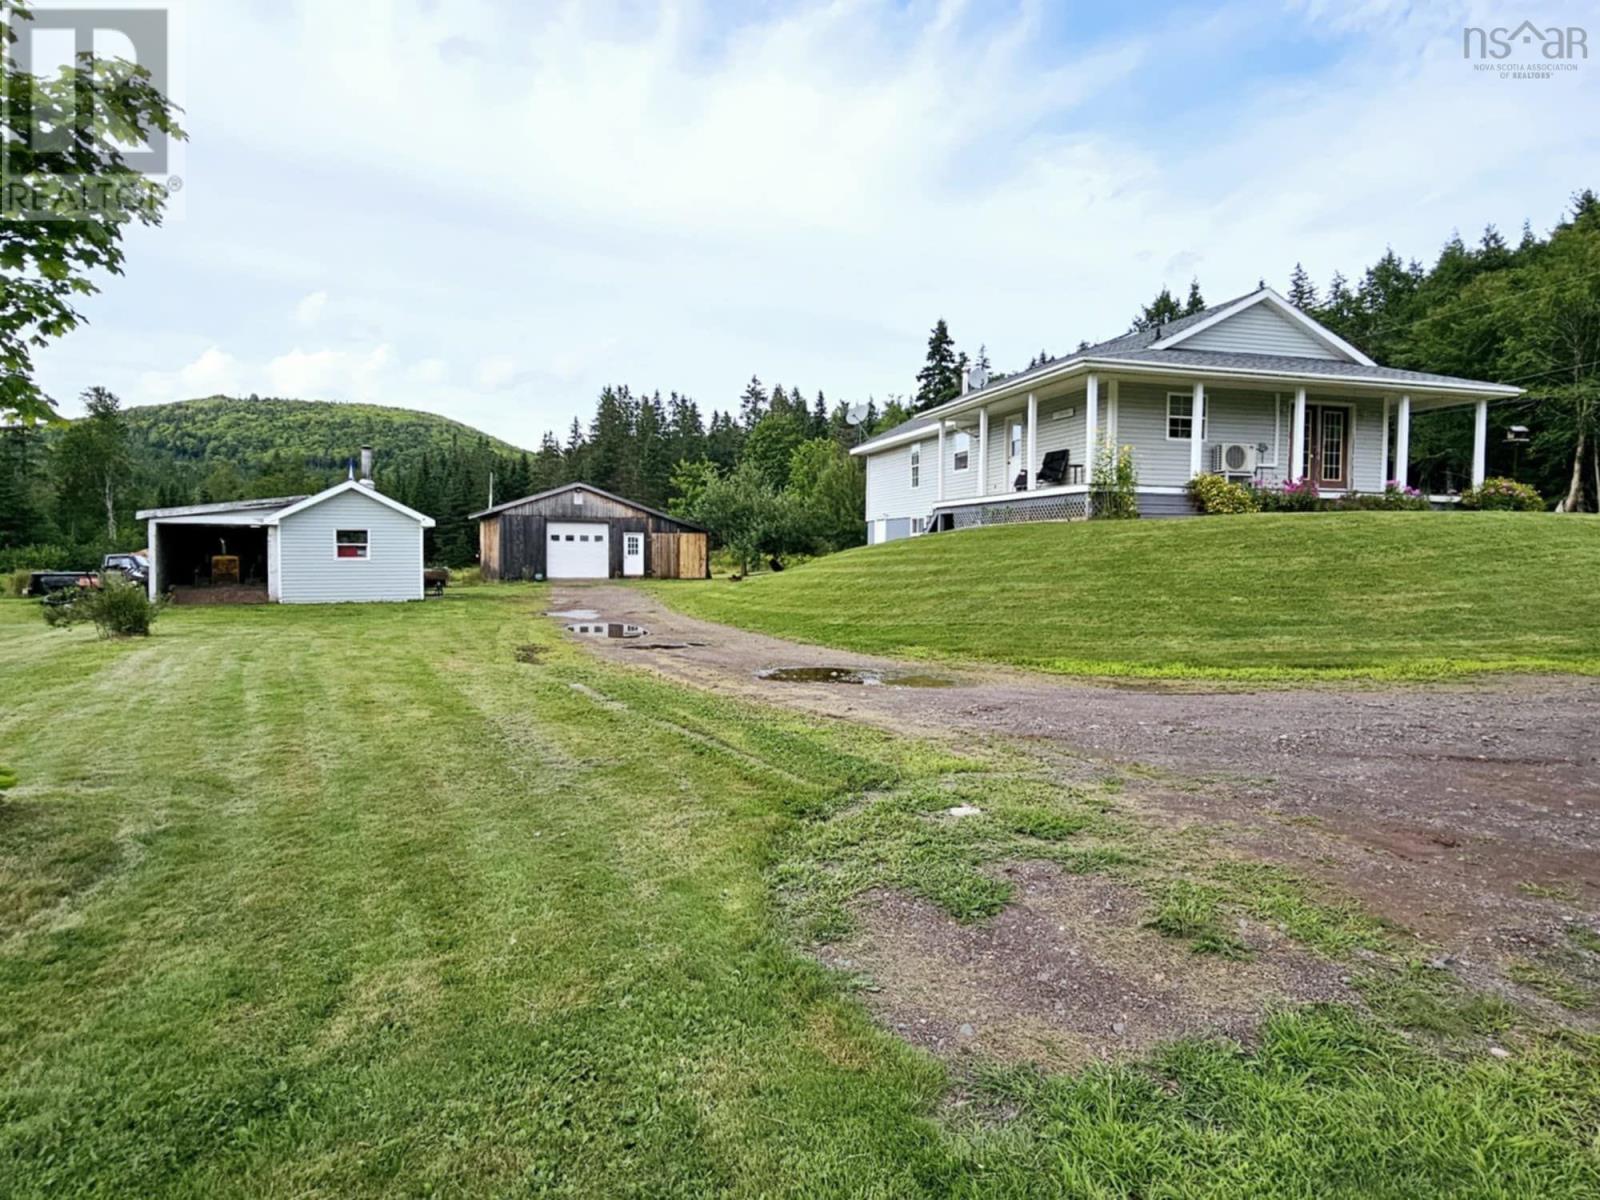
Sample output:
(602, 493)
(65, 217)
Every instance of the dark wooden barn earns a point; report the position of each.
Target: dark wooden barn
(581, 532)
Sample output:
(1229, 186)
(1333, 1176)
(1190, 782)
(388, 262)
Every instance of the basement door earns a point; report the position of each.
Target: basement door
(577, 550)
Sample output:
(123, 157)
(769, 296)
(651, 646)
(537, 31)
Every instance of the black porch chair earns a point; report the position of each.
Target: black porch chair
(1058, 468)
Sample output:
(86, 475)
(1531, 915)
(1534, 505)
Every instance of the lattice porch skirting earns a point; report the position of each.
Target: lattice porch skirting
(1044, 508)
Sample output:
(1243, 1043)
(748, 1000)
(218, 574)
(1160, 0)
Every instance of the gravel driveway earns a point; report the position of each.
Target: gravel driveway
(1466, 812)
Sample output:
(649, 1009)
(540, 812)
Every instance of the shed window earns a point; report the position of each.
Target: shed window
(1180, 417)
(916, 465)
(350, 543)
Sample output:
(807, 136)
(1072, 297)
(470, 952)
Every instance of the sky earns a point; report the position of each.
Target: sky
(491, 209)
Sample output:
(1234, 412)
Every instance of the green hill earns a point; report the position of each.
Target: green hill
(1326, 595)
(321, 434)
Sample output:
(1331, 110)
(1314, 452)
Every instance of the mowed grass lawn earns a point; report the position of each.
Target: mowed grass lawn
(1271, 596)
(355, 902)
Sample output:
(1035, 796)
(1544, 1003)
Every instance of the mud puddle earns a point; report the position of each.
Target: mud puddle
(607, 629)
(860, 676)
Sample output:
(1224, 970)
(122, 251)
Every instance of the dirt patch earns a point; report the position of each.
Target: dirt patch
(530, 653)
(1066, 975)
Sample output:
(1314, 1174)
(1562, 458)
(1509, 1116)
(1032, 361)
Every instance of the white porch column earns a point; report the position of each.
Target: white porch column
(1480, 441)
(1197, 442)
(1383, 444)
(1402, 443)
(1091, 425)
(1297, 437)
(938, 473)
(151, 536)
(1033, 440)
(983, 452)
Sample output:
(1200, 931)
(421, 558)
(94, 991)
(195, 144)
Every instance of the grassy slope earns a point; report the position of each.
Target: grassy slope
(351, 902)
(1320, 595)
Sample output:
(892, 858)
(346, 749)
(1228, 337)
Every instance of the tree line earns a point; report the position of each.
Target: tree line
(770, 473)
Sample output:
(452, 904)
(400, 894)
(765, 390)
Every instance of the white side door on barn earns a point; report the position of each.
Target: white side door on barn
(577, 550)
(633, 555)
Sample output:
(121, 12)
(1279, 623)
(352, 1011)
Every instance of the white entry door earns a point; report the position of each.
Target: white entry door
(577, 550)
(1016, 435)
(633, 555)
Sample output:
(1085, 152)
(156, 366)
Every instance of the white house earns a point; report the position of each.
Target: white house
(1253, 389)
(347, 543)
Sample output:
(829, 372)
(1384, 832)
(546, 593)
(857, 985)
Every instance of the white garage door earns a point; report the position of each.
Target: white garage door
(577, 550)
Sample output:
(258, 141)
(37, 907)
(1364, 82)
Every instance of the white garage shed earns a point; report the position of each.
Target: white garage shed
(348, 543)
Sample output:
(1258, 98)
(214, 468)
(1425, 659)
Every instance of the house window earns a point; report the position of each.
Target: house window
(919, 525)
(350, 543)
(963, 452)
(1180, 417)
(916, 465)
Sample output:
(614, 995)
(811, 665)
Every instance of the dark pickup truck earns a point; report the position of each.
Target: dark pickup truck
(46, 583)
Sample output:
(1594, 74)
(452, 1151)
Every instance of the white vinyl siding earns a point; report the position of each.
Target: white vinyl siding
(274, 564)
(889, 491)
(1061, 427)
(311, 573)
(959, 484)
(1252, 419)
(1259, 330)
(1142, 425)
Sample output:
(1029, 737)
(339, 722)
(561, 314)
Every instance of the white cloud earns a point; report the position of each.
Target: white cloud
(309, 311)
(558, 196)
(497, 371)
(329, 374)
(214, 372)
(429, 371)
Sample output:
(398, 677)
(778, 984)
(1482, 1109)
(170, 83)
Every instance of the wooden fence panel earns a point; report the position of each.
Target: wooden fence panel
(692, 551)
(664, 555)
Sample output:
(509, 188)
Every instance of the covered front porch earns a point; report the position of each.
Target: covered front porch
(1034, 456)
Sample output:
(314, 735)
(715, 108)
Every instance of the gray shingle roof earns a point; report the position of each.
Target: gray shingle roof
(1134, 347)
(1289, 364)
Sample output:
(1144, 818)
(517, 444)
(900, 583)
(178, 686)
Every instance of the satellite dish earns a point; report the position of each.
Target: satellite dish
(855, 414)
(977, 378)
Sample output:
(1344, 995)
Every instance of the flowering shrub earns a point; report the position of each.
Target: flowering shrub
(1116, 483)
(1292, 495)
(1214, 494)
(1393, 498)
(1501, 493)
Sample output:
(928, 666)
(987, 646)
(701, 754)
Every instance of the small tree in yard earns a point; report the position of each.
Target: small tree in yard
(116, 609)
(743, 513)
